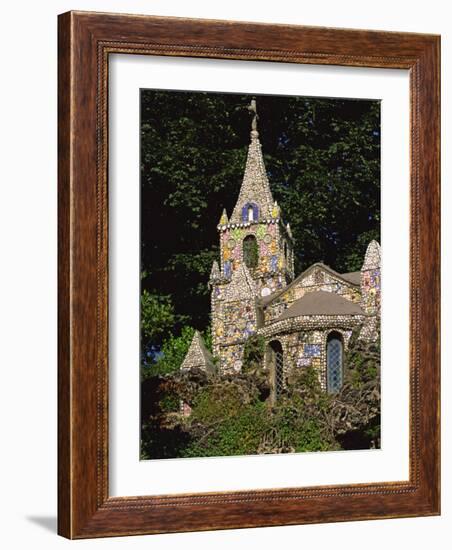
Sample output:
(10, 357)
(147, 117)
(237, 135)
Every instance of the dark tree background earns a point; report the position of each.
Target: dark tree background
(323, 161)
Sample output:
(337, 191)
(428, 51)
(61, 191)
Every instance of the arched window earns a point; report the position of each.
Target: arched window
(250, 251)
(276, 363)
(250, 212)
(334, 362)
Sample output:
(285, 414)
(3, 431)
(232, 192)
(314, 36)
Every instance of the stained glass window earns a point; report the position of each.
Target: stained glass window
(334, 363)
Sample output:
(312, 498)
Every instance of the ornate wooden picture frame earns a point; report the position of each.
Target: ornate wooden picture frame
(86, 40)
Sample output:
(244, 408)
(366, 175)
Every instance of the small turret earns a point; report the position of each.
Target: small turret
(372, 259)
(224, 218)
(214, 273)
(371, 280)
(289, 231)
(198, 356)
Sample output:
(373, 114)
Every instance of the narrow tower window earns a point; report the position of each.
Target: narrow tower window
(250, 214)
(275, 360)
(334, 360)
(250, 251)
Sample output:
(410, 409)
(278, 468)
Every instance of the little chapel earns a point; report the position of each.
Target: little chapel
(306, 320)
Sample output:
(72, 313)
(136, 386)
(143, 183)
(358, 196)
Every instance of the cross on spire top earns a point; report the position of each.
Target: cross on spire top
(253, 109)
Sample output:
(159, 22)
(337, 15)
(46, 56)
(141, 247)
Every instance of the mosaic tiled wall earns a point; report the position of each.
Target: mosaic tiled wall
(234, 318)
(275, 251)
(306, 348)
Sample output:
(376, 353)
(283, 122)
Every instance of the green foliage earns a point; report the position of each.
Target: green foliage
(253, 353)
(173, 352)
(169, 402)
(363, 362)
(207, 337)
(238, 433)
(230, 417)
(157, 317)
(216, 402)
(231, 426)
(294, 430)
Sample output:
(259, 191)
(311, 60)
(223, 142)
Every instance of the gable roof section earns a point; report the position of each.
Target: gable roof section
(320, 302)
(347, 278)
(354, 277)
(241, 285)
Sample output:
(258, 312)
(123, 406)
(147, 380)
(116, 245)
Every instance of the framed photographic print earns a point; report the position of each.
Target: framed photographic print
(248, 275)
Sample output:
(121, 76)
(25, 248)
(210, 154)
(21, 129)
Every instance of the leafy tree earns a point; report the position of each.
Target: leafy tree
(157, 317)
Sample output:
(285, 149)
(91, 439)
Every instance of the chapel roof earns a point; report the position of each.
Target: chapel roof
(350, 278)
(354, 277)
(320, 302)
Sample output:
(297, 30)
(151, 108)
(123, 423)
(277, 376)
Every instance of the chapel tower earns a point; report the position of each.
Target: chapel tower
(256, 258)
(371, 291)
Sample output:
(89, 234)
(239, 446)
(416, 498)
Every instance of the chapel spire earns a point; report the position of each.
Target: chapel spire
(255, 201)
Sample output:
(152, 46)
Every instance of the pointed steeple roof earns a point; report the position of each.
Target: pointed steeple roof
(224, 218)
(372, 259)
(198, 356)
(255, 189)
(241, 286)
